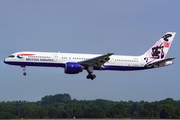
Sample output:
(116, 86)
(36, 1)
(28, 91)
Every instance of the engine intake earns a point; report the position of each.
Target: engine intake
(72, 68)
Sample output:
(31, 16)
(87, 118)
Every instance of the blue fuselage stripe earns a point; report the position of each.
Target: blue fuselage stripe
(106, 67)
(36, 64)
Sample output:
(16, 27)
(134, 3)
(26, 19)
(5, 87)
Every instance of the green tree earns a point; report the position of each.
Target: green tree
(94, 112)
(78, 112)
(40, 112)
(177, 112)
(58, 98)
(118, 111)
(133, 110)
(26, 112)
(5, 115)
(167, 112)
(53, 112)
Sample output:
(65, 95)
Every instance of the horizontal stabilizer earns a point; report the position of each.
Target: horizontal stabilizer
(160, 62)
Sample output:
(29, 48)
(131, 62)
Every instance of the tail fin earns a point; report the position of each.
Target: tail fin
(160, 49)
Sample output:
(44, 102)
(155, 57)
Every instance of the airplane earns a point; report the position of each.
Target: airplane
(75, 63)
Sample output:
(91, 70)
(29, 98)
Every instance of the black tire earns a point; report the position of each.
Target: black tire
(93, 76)
(88, 76)
(24, 74)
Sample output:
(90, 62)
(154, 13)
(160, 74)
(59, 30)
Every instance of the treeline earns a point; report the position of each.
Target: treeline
(62, 106)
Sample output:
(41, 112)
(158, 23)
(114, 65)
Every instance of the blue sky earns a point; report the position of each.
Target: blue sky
(124, 27)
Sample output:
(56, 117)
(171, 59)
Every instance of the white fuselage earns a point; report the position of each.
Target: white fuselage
(50, 59)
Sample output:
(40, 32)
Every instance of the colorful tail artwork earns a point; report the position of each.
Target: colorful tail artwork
(159, 50)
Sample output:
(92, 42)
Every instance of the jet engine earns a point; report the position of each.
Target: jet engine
(72, 68)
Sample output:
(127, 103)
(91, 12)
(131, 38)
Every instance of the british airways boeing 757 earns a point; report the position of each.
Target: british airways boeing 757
(76, 63)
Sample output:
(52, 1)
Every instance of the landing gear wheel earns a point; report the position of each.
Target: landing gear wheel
(24, 73)
(93, 76)
(88, 76)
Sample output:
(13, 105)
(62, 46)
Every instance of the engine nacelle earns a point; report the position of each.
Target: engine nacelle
(72, 68)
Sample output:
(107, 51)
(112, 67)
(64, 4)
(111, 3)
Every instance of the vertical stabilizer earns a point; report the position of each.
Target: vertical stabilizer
(160, 49)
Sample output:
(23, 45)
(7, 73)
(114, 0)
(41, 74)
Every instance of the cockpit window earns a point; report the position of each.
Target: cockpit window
(11, 56)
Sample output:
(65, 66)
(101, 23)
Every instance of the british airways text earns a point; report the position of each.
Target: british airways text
(33, 59)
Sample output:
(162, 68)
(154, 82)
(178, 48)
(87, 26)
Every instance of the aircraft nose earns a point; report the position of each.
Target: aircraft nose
(5, 61)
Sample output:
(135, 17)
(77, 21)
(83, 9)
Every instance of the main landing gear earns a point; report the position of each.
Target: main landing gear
(90, 76)
(24, 69)
(90, 71)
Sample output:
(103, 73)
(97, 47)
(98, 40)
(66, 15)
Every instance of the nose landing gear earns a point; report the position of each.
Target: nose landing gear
(24, 73)
(24, 69)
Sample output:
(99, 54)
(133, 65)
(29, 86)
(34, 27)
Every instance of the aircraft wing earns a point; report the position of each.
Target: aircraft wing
(161, 61)
(97, 61)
